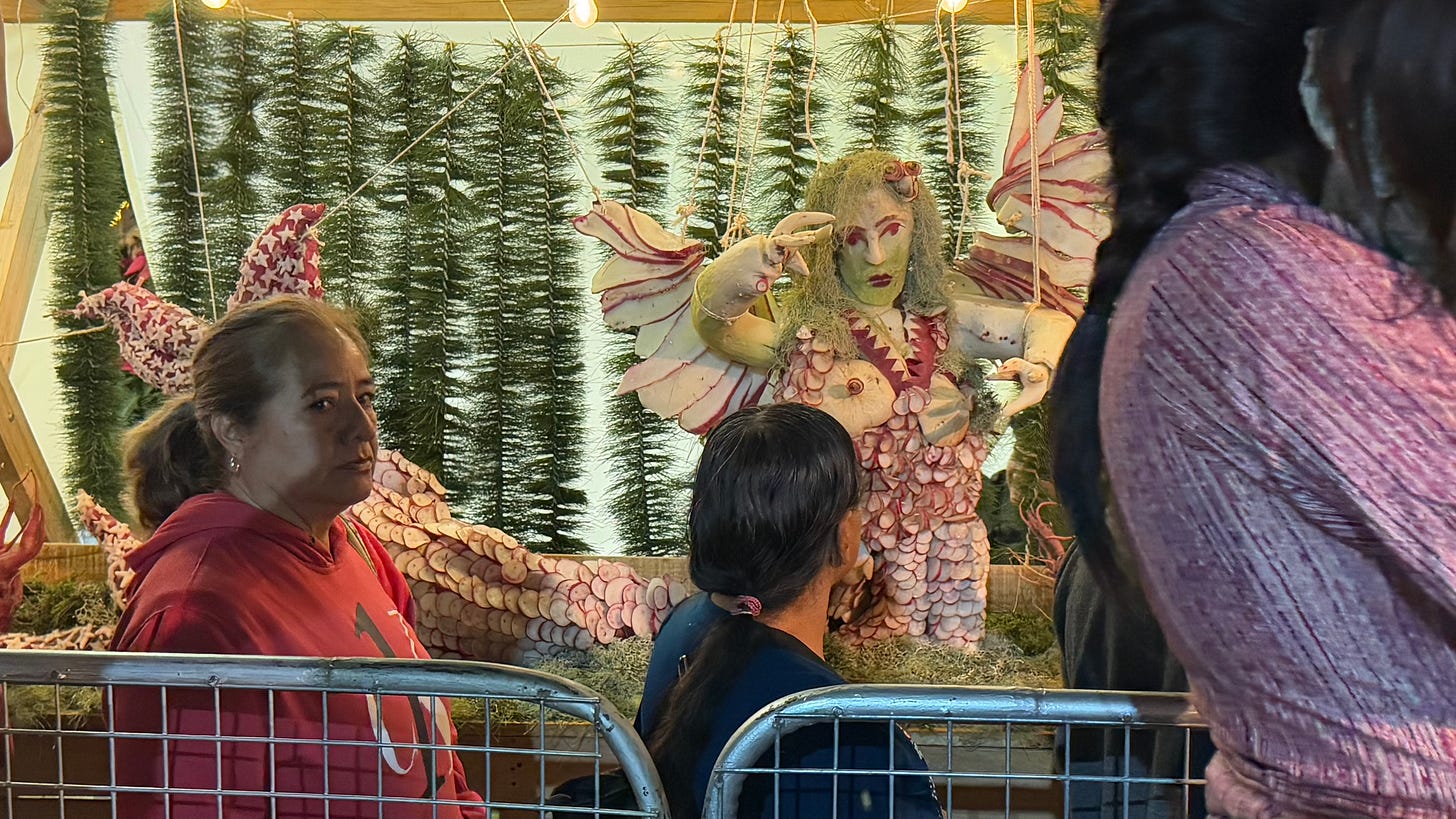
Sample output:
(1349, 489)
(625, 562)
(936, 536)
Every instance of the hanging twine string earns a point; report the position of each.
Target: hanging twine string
(730, 235)
(57, 336)
(1034, 106)
(955, 151)
(715, 110)
(809, 84)
(464, 101)
(571, 143)
(741, 225)
(196, 168)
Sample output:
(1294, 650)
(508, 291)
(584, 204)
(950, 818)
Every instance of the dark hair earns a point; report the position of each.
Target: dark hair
(1186, 86)
(772, 488)
(174, 455)
(1391, 65)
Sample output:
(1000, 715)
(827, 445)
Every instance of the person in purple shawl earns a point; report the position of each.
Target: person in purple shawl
(1254, 425)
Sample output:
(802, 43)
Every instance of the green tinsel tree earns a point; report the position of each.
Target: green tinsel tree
(85, 190)
(492, 408)
(175, 247)
(714, 102)
(1066, 37)
(464, 139)
(952, 88)
(872, 67)
(631, 124)
(347, 143)
(414, 363)
(231, 91)
(294, 118)
(786, 157)
(542, 356)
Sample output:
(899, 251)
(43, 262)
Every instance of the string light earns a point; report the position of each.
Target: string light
(952, 6)
(215, 4)
(581, 12)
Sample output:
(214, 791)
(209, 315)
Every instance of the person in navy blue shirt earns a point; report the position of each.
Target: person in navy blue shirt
(774, 524)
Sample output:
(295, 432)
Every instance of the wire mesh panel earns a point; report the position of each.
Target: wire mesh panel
(126, 735)
(987, 752)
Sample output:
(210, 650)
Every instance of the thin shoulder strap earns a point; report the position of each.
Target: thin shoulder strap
(358, 543)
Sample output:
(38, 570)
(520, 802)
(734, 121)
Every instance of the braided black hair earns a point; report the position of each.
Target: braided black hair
(1186, 86)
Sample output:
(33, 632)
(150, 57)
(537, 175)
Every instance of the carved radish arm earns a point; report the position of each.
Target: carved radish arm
(729, 287)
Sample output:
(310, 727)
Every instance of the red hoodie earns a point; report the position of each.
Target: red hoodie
(221, 577)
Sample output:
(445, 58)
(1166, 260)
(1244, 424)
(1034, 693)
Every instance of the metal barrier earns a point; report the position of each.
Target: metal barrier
(990, 751)
(62, 748)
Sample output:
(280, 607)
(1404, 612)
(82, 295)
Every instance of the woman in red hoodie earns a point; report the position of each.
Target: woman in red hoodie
(244, 482)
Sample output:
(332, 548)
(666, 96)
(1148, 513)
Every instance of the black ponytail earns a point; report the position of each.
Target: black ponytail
(1186, 86)
(772, 488)
(691, 703)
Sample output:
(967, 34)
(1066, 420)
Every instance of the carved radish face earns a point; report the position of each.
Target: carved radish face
(874, 248)
(310, 454)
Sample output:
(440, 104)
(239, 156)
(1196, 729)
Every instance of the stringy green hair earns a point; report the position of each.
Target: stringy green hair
(821, 301)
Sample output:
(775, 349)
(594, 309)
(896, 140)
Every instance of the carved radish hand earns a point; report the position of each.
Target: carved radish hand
(747, 270)
(14, 554)
(1035, 380)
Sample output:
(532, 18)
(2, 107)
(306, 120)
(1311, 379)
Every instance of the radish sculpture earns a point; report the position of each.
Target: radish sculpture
(874, 328)
(480, 594)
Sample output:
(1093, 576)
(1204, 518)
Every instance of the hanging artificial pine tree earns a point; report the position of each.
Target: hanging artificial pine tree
(494, 408)
(544, 353)
(1066, 37)
(85, 190)
(415, 292)
(293, 119)
(952, 89)
(872, 67)
(347, 153)
(631, 123)
(237, 194)
(787, 157)
(464, 141)
(175, 250)
(714, 99)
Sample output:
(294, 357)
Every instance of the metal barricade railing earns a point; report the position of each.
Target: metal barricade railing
(531, 731)
(989, 751)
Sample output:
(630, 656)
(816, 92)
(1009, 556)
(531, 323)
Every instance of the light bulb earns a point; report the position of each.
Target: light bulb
(582, 12)
(215, 4)
(952, 6)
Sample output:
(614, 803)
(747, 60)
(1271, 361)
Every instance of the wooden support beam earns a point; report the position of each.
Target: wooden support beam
(19, 454)
(23, 226)
(990, 12)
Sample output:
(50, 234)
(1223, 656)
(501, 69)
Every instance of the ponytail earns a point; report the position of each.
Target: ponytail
(170, 458)
(692, 703)
(1186, 86)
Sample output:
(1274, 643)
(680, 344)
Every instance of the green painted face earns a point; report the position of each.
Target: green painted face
(874, 249)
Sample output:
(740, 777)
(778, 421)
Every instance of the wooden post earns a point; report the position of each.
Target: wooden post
(20, 454)
(23, 226)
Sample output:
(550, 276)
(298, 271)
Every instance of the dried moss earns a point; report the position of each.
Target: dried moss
(1020, 651)
(998, 663)
(56, 606)
(39, 706)
(1031, 633)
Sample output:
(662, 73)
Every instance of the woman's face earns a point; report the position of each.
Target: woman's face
(313, 447)
(874, 248)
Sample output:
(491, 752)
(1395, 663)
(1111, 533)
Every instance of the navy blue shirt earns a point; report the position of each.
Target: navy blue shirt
(782, 667)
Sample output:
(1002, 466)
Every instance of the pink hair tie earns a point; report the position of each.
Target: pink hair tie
(749, 605)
